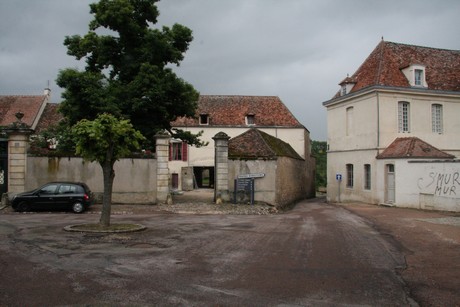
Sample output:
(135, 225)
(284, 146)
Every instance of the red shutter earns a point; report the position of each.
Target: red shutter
(170, 151)
(184, 151)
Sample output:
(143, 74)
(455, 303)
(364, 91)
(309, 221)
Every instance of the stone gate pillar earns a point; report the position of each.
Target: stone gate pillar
(162, 154)
(221, 192)
(18, 142)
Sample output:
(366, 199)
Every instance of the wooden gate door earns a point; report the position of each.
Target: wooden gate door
(3, 166)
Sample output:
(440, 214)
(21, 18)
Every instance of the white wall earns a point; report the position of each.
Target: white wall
(428, 185)
(204, 156)
(375, 127)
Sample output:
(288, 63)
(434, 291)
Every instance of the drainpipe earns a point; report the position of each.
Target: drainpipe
(378, 122)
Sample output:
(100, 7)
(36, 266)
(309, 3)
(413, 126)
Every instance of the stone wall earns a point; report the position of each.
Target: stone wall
(286, 180)
(135, 179)
(293, 181)
(265, 187)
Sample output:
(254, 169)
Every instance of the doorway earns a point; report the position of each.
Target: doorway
(204, 177)
(390, 184)
(3, 166)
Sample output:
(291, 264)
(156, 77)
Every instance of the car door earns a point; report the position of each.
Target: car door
(45, 197)
(66, 195)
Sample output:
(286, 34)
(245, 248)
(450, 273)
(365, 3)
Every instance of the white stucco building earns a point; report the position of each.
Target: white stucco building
(393, 130)
(192, 167)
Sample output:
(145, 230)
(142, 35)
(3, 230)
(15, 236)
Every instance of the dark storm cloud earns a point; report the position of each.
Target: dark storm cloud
(298, 50)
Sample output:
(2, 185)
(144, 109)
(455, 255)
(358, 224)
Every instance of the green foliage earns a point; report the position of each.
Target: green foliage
(60, 135)
(126, 73)
(105, 139)
(319, 151)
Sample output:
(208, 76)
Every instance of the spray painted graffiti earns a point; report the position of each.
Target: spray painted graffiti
(444, 184)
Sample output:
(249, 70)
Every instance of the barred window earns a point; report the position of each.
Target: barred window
(367, 176)
(349, 175)
(403, 117)
(436, 118)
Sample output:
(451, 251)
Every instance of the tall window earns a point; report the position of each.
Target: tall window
(367, 176)
(418, 77)
(349, 128)
(349, 175)
(178, 151)
(436, 118)
(403, 117)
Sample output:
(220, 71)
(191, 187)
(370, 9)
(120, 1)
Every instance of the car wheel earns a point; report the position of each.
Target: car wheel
(23, 206)
(78, 207)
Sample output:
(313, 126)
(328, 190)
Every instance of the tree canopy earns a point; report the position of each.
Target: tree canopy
(127, 72)
(105, 140)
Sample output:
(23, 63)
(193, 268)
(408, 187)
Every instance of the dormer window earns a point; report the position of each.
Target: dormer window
(347, 85)
(250, 120)
(204, 119)
(416, 75)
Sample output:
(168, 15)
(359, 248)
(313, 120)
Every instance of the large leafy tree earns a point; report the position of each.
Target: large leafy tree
(319, 151)
(127, 72)
(105, 140)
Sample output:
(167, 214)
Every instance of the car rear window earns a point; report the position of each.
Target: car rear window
(69, 189)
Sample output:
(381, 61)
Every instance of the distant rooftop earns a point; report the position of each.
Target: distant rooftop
(256, 144)
(234, 110)
(412, 147)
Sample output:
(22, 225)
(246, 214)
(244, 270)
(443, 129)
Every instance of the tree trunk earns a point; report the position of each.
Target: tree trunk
(109, 175)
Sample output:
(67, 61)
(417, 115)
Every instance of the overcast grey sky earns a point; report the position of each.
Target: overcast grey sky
(298, 50)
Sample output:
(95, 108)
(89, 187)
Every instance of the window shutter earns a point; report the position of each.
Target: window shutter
(184, 151)
(170, 151)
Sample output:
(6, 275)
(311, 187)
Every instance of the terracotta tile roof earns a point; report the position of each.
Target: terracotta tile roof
(413, 148)
(29, 105)
(256, 144)
(232, 111)
(50, 117)
(384, 67)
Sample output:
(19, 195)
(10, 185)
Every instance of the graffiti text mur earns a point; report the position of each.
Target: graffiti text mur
(447, 184)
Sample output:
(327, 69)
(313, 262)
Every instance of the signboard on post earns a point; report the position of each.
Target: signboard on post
(257, 175)
(245, 184)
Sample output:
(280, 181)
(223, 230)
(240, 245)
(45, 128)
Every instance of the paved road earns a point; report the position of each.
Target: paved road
(314, 255)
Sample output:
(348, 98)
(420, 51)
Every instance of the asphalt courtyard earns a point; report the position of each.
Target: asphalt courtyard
(316, 254)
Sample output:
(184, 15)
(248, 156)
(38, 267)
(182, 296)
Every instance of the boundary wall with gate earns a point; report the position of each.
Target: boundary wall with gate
(135, 179)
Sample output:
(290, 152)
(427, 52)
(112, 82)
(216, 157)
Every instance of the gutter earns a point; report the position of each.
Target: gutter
(410, 90)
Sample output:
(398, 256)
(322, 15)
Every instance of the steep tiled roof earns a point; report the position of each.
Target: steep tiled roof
(412, 147)
(232, 111)
(384, 67)
(256, 144)
(29, 105)
(50, 117)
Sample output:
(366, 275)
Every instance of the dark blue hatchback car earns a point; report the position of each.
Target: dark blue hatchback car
(75, 196)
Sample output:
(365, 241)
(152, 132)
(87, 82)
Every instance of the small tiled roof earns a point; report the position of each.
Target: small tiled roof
(29, 105)
(256, 144)
(384, 67)
(50, 117)
(232, 111)
(412, 148)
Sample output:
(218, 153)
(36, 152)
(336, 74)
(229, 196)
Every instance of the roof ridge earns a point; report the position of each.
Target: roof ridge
(218, 95)
(381, 59)
(22, 95)
(418, 46)
(262, 135)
